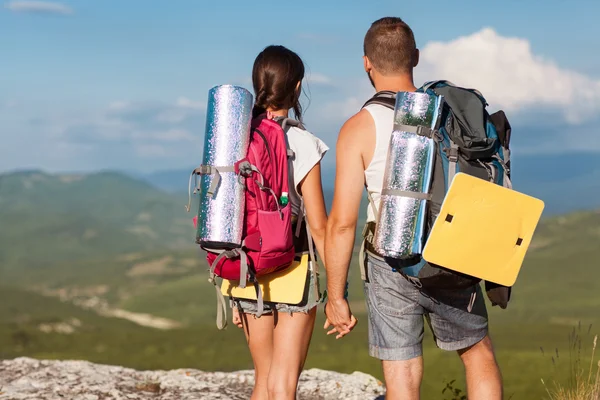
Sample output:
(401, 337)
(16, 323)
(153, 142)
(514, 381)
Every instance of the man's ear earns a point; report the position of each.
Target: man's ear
(416, 58)
(367, 64)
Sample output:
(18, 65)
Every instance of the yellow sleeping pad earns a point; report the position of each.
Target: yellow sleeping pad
(483, 230)
(286, 286)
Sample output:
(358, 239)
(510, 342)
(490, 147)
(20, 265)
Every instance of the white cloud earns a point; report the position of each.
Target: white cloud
(184, 102)
(42, 7)
(151, 150)
(170, 135)
(343, 109)
(318, 79)
(348, 102)
(119, 105)
(172, 113)
(510, 75)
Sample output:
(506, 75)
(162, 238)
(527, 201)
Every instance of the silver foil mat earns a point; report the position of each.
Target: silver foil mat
(409, 167)
(227, 135)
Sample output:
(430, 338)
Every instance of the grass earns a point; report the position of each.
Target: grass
(202, 346)
(81, 241)
(582, 380)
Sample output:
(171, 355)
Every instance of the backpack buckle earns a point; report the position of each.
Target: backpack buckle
(452, 153)
(243, 168)
(424, 131)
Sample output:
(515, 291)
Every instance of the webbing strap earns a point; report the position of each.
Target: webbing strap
(194, 176)
(452, 161)
(311, 249)
(221, 308)
(361, 258)
(300, 218)
(472, 300)
(243, 268)
(221, 304)
(372, 203)
(419, 130)
(507, 183)
(404, 193)
(260, 303)
(216, 171)
(366, 235)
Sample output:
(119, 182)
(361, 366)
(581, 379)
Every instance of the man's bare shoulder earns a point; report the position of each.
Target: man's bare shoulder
(357, 127)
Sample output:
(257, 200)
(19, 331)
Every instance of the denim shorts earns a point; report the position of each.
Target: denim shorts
(312, 297)
(397, 310)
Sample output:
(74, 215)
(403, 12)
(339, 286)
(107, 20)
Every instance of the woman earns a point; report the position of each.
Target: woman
(279, 340)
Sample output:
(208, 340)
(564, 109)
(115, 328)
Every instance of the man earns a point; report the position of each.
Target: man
(396, 306)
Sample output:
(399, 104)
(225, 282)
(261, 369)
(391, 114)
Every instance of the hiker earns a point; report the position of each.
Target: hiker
(279, 338)
(396, 305)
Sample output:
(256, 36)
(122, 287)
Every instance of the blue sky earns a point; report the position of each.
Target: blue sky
(107, 84)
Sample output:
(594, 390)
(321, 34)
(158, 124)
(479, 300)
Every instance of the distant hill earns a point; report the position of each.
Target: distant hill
(566, 182)
(115, 240)
(47, 218)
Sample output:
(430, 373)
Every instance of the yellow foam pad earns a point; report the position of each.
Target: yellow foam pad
(286, 286)
(483, 230)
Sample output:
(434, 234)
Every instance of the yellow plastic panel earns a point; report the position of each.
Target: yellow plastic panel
(483, 230)
(286, 286)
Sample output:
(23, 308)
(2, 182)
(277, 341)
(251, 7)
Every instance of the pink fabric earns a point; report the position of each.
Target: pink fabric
(268, 228)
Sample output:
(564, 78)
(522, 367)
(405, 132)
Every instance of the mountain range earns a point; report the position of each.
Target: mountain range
(103, 267)
(566, 182)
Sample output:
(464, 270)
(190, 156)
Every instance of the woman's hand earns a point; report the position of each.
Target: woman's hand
(236, 318)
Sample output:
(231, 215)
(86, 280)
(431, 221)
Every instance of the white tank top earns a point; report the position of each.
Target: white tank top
(384, 123)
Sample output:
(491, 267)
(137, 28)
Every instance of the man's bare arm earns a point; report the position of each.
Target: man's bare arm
(341, 226)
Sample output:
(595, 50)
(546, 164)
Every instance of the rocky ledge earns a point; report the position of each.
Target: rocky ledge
(26, 378)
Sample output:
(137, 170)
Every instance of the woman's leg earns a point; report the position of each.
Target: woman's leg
(259, 334)
(291, 340)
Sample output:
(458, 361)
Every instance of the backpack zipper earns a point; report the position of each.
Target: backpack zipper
(263, 205)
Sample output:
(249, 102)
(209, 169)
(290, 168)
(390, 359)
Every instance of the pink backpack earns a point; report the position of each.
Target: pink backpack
(267, 244)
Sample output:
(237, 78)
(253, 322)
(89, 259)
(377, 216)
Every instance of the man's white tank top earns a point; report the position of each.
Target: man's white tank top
(384, 123)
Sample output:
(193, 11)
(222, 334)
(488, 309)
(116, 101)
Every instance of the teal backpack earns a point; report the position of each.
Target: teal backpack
(469, 140)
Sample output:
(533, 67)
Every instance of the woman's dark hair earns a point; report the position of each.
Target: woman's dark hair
(276, 72)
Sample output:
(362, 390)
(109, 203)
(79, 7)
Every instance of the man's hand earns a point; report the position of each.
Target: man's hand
(339, 317)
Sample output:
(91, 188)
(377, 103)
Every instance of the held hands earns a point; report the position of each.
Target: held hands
(236, 317)
(339, 317)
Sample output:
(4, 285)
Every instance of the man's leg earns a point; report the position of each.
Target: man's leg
(484, 380)
(403, 379)
(457, 329)
(395, 329)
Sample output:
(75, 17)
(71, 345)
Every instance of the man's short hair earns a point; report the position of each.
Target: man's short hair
(390, 46)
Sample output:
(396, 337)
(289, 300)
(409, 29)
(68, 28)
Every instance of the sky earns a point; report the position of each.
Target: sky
(113, 84)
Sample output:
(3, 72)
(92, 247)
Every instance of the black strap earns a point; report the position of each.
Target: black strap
(418, 130)
(385, 98)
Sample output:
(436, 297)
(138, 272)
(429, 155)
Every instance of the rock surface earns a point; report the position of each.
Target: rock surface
(26, 378)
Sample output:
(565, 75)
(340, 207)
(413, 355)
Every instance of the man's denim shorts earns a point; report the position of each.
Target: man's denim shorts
(397, 309)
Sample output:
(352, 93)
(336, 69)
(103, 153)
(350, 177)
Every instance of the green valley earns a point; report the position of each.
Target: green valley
(104, 267)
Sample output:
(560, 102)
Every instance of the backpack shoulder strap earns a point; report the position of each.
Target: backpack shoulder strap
(285, 124)
(385, 98)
